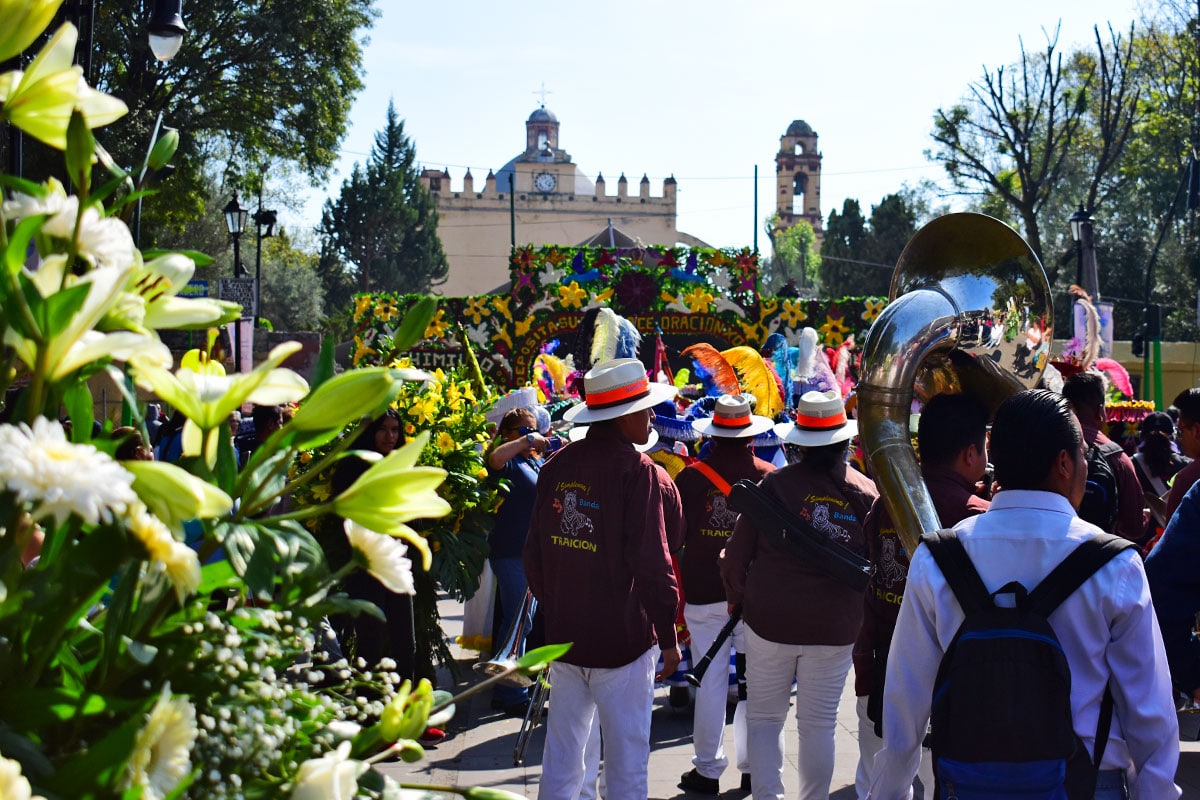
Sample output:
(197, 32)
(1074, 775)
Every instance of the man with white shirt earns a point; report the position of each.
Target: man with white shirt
(1107, 627)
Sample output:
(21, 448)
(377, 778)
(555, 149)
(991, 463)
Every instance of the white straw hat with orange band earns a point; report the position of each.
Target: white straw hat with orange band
(820, 419)
(732, 419)
(615, 388)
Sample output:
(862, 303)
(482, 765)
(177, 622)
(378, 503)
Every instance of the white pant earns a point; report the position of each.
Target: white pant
(623, 697)
(869, 746)
(593, 774)
(820, 674)
(704, 622)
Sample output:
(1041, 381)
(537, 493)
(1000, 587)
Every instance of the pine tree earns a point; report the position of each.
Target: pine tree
(381, 234)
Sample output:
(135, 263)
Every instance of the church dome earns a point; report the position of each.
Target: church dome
(542, 114)
(800, 128)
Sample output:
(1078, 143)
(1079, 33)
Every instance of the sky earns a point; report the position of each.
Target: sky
(701, 90)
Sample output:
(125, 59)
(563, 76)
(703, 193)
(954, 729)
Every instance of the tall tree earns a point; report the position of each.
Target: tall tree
(858, 254)
(255, 80)
(291, 286)
(1014, 137)
(381, 233)
(795, 256)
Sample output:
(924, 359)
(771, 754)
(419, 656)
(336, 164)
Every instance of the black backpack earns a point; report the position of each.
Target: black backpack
(1000, 720)
(1099, 505)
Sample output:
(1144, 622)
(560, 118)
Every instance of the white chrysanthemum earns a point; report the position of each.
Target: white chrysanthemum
(385, 557)
(60, 478)
(13, 783)
(180, 562)
(105, 241)
(162, 753)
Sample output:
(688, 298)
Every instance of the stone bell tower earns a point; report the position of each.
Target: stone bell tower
(798, 177)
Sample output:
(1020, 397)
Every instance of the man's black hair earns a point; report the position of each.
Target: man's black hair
(266, 415)
(1030, 429)
(1188, 403)
(1085, 392)
(824, 457)
(949, 424)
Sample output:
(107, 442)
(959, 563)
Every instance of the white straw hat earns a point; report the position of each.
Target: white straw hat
(579, 432)
(615, 388)
(732, 419)
(820, 419)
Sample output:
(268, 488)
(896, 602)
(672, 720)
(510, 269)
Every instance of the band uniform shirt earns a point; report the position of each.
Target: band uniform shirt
(596, 556)
(954, 500)
(784, 597)
(1107, 629)
(709, 520)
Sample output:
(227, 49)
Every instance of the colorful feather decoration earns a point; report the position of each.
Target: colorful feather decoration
(629, 339)
(551, 373)
(811, 370)
(1117, 374)
(710, 360)
(775, 349)
(756, 378)
(605, 335)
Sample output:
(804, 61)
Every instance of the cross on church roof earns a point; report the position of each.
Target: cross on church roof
(542, 92)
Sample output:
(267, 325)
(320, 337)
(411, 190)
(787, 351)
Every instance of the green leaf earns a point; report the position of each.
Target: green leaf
(78, 400)
(323, 369)
(97, 766)
(201, 259)
(81, 147)
(227, 466)
(537, 659)
(416, 320)
(489, 793)
(22, 185)
(59, 307)
(214, 576)
(18, 242)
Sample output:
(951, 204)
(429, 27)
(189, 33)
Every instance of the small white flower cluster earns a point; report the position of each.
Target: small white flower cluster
(263, 712)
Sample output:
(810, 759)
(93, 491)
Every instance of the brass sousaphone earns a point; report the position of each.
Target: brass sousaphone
(970, 312)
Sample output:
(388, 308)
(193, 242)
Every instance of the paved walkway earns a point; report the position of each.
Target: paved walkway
(479, 748)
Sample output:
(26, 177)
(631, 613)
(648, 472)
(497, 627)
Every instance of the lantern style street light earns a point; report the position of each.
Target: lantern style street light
(235, 222)
(166, 29)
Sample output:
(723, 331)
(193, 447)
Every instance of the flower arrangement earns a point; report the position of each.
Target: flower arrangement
(158, 621)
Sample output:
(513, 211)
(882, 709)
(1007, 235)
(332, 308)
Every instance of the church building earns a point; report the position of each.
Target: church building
(547, 199)
(798, 178)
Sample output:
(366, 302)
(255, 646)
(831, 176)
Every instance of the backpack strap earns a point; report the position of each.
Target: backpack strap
(956, 567)
(713, 477)
(1081, 564)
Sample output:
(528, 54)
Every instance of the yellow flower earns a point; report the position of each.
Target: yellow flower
(446, 443)
(437, 326)
(834, 330)
(502, 336)
(605, 296)
(501, 306)
(792, 313)
(322, 491)
(362, 304)
(476, 308)
(571, 296)
(161, 756)
(24, 21)
(361, 350)
(306, 457)
(385, 309)
(666, 296)
(872, 309)
(167, 555)
(698, 300)
(523, 325)
(409, 429)
(424, 409)
(751, 330)
(40, 100)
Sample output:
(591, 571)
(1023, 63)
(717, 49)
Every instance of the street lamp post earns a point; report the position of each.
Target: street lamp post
(166, 29)
(263, 218)
(1085, 253)
(235, 224)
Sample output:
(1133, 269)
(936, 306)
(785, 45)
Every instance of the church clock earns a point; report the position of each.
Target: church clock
(545, 182)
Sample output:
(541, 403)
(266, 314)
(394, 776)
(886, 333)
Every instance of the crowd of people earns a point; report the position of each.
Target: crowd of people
(609, 543)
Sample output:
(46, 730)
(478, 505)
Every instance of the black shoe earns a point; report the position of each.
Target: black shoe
(746, 782)
(695, 782)
(516, 709)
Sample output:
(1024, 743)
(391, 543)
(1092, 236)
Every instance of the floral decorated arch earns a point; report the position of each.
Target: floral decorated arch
(688, 295)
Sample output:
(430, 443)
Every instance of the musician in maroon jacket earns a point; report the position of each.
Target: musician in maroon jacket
(704, 487)
(800, 621)
(951, 438)
(597, 560)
